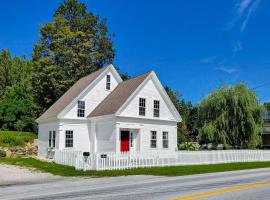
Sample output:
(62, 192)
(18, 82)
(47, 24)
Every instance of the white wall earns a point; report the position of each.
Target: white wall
(43, 137)
(92, 97)
(150, 93)
(81, 135)
(105, 135)
(144, 135)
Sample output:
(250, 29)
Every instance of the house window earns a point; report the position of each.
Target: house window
(165, 141)
(156, 108)
(53, 139)
(69, 139)
(153, 141)
(108, 82)
(50, 138)
(52, 135)
(81, 109)
(142, 106)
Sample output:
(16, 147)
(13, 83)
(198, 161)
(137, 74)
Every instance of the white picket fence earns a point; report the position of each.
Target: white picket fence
(113, 161)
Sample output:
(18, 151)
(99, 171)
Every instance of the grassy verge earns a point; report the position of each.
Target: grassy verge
(62, 170)
(16, 138)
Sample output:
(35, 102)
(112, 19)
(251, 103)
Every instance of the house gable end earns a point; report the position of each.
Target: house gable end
(151, 90)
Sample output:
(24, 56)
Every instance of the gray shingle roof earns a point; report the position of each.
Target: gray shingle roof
(118, 96)
(70, 95)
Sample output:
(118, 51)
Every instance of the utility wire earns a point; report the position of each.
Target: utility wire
(260, 86)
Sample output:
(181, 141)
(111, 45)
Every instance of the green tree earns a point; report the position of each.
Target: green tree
(74, 45)
(17, 109)
(187, 128)
(231, 116)
(13, 70)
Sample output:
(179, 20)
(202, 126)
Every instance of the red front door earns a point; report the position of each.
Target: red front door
(124, 141)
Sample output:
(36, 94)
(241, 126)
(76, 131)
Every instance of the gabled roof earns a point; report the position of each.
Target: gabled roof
(118, 96)
(70, 95)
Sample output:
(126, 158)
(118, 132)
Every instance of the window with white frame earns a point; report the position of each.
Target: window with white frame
(142, 106)
(81, 109)
(69, 139)
(156, 108)
(52, 136)
(108, 82)
(153, 141)
(165, 142)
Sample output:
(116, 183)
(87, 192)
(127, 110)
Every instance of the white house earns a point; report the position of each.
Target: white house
(102, 113)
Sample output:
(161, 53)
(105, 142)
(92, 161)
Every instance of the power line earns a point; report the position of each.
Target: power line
(262, 85)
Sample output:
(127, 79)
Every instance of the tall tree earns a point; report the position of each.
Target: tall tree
(17, 109)
(187, 128)
(75, 44)
(13, 70)
(231, 116)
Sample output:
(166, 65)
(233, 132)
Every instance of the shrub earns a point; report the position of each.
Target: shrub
(13, 138)
(187, 146)
(2, 153)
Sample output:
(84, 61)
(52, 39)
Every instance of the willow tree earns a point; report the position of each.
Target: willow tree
(232, 116)
(73, 45)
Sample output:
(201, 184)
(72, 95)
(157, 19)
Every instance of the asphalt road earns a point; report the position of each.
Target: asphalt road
(246, 185)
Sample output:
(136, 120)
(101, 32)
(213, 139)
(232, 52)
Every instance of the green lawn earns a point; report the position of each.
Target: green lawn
(62, 170)
(16, 138)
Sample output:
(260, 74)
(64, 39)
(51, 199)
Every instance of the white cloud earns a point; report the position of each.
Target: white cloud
(244, 9)
(237, 47)
(208, 60)
(227, 70)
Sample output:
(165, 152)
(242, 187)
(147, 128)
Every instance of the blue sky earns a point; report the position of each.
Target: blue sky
(194, 46)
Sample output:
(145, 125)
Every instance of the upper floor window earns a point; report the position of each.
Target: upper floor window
(153, 141)
(52, 135)
(81, 109)
(165, 141)
(142, 106)
(108, 82)
(156, 108)
(69, 139)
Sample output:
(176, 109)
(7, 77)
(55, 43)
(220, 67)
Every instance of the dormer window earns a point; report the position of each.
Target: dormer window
(108, 82)
(81, 109)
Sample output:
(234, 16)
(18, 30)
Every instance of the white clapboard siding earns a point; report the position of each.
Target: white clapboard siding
(117, 161)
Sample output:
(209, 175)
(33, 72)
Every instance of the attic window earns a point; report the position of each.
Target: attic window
(108, 82)
(81, 109)
(156, 108)
(142, 106)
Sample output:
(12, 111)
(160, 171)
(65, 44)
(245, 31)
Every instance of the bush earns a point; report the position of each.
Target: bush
(2, 153)
(13, 138)
(187, 146)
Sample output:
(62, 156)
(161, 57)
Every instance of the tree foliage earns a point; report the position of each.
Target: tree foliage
(17, 107)
(74, 45)
(13, 70)
(187, 128)
(231, 116)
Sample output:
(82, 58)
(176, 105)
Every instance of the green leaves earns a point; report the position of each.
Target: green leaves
(231, 116)
(74, 45)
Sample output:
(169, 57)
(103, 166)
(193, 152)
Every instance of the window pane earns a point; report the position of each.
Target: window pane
(53, 140)
(142, 107)
(165, 141)
(50, 138)
(108, 82)
(81, 109)
(156, 108)
(153, 142)
(69, 139)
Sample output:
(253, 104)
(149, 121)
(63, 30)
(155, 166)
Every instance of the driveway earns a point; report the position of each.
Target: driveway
(12, 175)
